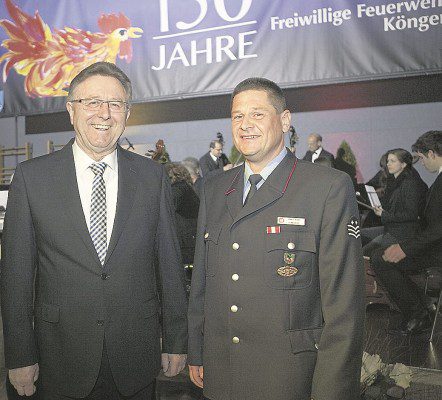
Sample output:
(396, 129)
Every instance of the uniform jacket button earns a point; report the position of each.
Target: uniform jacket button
(235, 277)
(291, 245)
(235, 339)
(234, 308)
(235, 246)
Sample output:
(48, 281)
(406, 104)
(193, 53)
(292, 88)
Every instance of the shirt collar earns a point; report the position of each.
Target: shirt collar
(213, 157)
(318, 150)
(84, 161)
(268, 169)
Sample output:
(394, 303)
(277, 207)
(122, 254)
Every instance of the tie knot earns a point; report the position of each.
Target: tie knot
(254, 179)
(98, 168)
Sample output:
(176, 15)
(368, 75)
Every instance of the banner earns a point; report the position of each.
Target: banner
(175, 49)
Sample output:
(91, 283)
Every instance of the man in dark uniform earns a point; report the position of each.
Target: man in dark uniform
(315, 149)
(277, 297)
(424, 250)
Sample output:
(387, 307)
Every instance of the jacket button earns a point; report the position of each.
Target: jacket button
(235, 246)
(206, 235)
(234, 308)
(235, 339)
(100, 322)
(235, 277)
(104, 276)
(316, 346)
(291, 246)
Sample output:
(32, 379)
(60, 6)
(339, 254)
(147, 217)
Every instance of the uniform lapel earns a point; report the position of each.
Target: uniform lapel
(66, 187)
(271, 190)
(127, 187)
(234, 193)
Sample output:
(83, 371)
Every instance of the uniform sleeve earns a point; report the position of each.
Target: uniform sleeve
(197, 291)
(171, 279)
(17, 277)
(341, 274)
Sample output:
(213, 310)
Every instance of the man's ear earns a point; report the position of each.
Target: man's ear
(431, 154)
(70, 109)
(286, 118)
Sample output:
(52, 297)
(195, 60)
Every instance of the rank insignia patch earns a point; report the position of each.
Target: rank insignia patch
(353, 228)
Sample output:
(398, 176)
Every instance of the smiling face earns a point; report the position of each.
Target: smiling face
(257, 128)
(97, 131)
(395, 167)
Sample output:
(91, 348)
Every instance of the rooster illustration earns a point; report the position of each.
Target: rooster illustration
(50, 60)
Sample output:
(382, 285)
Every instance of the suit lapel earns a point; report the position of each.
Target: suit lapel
(66, 187)
(127, 187)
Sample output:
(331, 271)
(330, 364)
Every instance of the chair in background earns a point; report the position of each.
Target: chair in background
(7, 172)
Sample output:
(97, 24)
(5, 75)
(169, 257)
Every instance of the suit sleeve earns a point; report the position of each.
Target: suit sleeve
(341, 274)
(206, 170)
(197, 291)
(431, 234)
(17, 277)
(171, 276)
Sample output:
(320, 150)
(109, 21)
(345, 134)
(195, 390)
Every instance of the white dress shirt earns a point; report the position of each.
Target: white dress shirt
(316, 154)
(85, 177)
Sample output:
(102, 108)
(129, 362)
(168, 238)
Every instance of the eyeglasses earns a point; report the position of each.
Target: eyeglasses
(116, 106)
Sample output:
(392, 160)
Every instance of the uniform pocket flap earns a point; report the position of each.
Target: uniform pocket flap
(212, 233)
(305, 339)
(50, 313)
(292, 241)
(150, 307)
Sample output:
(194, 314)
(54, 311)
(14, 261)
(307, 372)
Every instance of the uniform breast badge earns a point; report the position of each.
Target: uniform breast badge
(289, 269)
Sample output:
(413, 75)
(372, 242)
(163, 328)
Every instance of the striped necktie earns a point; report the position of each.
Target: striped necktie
(98, 219)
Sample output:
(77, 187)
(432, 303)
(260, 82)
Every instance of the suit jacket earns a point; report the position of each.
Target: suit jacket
(324, 153)
(300, 336)
(427, 243)
(79, 303)
(209, 167)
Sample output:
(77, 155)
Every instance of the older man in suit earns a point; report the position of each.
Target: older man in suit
(277, 298)
(315, 149)
(90, 253)
(211, 163)
(394, 264)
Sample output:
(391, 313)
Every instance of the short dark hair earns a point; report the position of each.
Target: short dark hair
(431, 140)
(402, 155)
(274, 92)
(213, 143)
(101, 68)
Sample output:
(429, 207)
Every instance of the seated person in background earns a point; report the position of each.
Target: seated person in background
(379, 181)
(193, 167)
(344, 166)
(403, 202)
(326, 162)
(422, 250)
(186, 204)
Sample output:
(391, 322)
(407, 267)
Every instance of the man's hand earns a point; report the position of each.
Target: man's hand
(227, 167)
(23, 379)
(173, 364)
(394, 254)
(378, 210)
(196, 373)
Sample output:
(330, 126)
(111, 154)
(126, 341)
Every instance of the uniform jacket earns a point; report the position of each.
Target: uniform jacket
(324, 153)
(79, 303)
(405, 203)
(261, 335)
(427, 242)
(209, 167)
